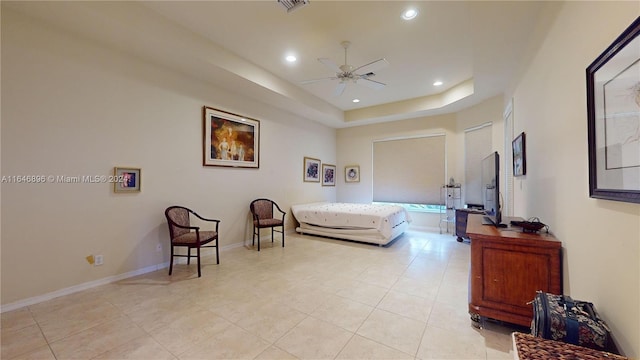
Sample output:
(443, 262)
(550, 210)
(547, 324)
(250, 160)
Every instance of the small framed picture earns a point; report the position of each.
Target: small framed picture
(352, 173)
(328, 175)
(311, 170)
(519, 156)
(126, 179)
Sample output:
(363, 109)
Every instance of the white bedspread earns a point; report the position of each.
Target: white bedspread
(381, 217)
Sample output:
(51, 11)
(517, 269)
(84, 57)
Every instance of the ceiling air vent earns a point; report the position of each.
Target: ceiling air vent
(292, 5)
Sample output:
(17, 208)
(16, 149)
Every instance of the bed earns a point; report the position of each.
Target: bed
(372, 223)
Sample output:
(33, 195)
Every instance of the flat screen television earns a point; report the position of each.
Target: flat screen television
(491, 189)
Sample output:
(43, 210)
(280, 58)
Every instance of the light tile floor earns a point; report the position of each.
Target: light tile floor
(314, 299)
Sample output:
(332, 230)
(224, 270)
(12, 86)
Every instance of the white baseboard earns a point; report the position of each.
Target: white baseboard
(110, 279)
(76, 288)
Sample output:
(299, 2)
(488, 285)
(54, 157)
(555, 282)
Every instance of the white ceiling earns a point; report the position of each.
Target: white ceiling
(474, 47)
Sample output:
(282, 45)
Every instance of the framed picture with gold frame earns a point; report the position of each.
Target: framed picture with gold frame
(352, 173)
(328, 175)
(311, 168)
(127, 179)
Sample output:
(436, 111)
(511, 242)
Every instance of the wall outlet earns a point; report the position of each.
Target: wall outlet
(159, 247)
(99, 260)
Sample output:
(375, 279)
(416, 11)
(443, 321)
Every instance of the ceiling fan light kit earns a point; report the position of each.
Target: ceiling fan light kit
(347, 72)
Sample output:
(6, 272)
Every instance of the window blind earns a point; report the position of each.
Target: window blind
(409, 170)
(477, 145)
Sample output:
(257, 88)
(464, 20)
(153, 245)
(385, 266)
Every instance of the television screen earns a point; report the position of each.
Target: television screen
(491, 188)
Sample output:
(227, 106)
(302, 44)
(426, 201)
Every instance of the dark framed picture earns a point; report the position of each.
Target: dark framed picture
(352, 173)
(126, 179)
(230, 140)
(519, 155)
(613, 119)
(328, 175)
(311, 168)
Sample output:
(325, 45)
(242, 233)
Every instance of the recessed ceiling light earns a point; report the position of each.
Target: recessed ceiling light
(291, 58)
(409, 14)
(437, 83)
(356, 100)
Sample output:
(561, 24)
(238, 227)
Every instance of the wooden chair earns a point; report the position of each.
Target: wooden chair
(263, 217)
(183, 234)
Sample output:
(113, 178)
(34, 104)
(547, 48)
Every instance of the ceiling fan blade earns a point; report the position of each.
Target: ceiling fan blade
(311, 81)
(371, 83)
(330, 64)
(372, 66)
(339, 89)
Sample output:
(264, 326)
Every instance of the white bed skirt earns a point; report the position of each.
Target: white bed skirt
(363, 235)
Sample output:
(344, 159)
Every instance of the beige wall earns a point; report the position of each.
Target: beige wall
(354, 147)
(601, 239)
(72, 107)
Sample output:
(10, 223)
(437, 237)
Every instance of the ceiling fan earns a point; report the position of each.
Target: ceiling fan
(346, 72)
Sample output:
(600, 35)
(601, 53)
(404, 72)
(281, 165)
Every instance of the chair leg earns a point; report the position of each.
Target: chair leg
(188, 255)
(282, 235)
(171, 261)
(256, 234)
(217, 254)
(198, 250)
(272, 234)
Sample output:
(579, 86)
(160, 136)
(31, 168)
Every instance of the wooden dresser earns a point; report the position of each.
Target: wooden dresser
(507, 268)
